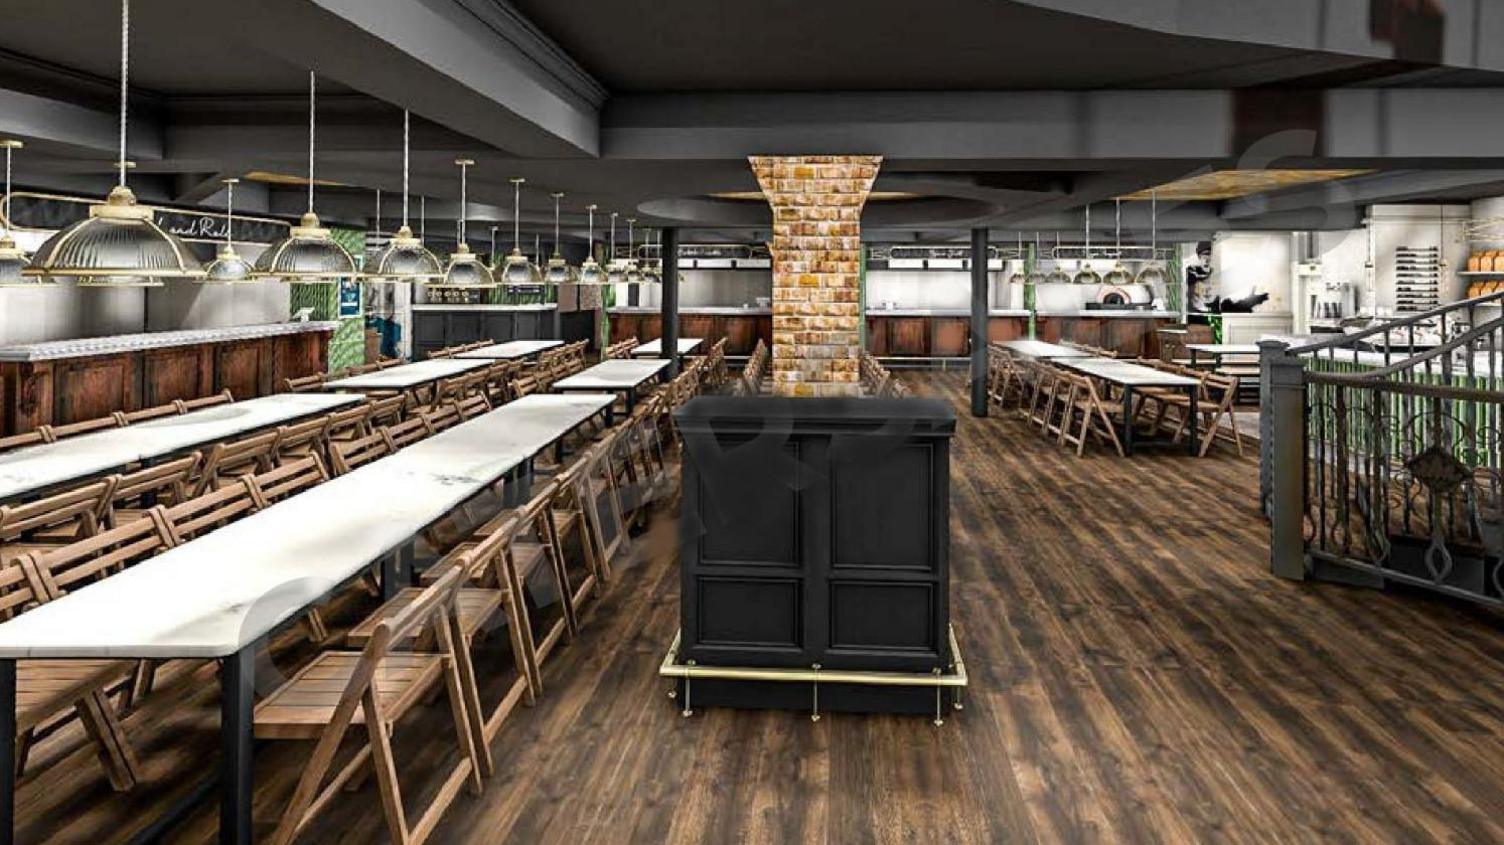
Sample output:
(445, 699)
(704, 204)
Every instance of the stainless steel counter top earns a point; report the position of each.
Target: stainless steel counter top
(545, 306)
(115, 344)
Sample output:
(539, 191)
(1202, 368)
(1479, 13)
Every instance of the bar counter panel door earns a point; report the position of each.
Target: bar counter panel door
(244, 369)
(89, 388)
(818, 538)
(180, 372)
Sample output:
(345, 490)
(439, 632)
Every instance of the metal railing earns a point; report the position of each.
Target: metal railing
(1381, 459)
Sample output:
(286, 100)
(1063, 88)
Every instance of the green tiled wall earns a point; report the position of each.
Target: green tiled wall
(347, 347)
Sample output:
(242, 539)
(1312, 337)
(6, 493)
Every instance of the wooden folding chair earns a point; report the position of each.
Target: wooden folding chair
(525, 386)
(221, 398)
(407, 433)
(53, 521)
(443, 416)
(288, 479)
(388, 411)
(306, 384)
(1096, 417)
(299, 440)
(54, 433)
(349, 424)
(1219, 393)
(47, 689)
(206, 512)
(349, 455)
(226, 462)
(167, 483)
(571, 531)
(474, 406)
(603, 509)
(376, 686)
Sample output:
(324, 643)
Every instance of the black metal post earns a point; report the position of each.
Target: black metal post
(979, 322)
(669, 250)
(7, 751)
(237, 679)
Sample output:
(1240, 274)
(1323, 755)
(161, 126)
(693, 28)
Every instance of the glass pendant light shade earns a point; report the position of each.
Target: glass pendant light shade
(1088, 276)
(1152, 275)
(1117, 276)
(12, 259)
(404, 258)
(120, 243)
(465, 269)
(308, 254)
(517, 271)
(228, 268)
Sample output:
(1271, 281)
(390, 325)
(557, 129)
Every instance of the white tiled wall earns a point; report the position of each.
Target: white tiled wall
(60, 313)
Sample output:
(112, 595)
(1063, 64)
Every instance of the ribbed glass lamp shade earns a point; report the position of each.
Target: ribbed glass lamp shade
(466, 270)
(634, 273)
(308, 255)
(517, 270)
(1057, 277)
(1152, 276)
(1117, 276)
(651, 275)
(616, 274)
(592, 274)
(1088, 276)
(558, 272)
(12, 267)
(227, 268)
(119, 244)
(405, 259)
(1038, 277)
(1017, 278)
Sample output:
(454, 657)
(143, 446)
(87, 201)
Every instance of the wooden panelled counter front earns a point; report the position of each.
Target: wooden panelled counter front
(742, 327)
(944, 334)
(71, 381)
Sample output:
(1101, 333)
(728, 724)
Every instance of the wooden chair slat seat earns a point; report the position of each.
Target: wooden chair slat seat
(305, 705)
(226, 462)
(474, 607)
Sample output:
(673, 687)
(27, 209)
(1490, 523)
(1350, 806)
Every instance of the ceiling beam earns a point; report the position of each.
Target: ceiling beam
(68, 129)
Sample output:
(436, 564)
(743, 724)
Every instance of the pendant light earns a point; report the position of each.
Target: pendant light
(404, 258)
(491, 260)
(652, 273)
(1117, 275)
(1087, 276)
(616, 269)
(1037, 276)
(308, 254)
(1019, 277)
(559, 272)
(591, 273)
(12, 259)
(465, 269)
(634, 273)
(119, 244)
(517, 270)
(1057, 276)
(228, 268)
(1155, 273)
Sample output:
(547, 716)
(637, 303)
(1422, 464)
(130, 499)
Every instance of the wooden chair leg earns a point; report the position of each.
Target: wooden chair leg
(466, 728)
(99, 721)
(24, 743)
(384, 768)
(318, 632)
(145, 678)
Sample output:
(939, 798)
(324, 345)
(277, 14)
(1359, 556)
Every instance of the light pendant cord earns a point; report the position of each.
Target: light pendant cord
(406, 142)
(613, 237)
(557, 197)
(1118, 211)
(516, 215)
(6, 215)
(312, 94)
(125, 74)
(230, 213)
(1153, 224)
(377, 226)
(422, 217)
(464, 198)
(590, 227)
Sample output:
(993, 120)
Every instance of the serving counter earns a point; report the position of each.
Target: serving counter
(61, 382)
(438, 327)
(946, 333)
(742, 327)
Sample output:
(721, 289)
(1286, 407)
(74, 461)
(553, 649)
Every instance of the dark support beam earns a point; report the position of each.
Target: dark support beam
(979, 322)
(669, 250)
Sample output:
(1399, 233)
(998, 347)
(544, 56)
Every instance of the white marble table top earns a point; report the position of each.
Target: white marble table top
(655, 347)
(217, 594)
(1038, 349)
(1125, 373)
(511, 350)
(406, 376)
(85, 347)
(616, 374)
(35, 468)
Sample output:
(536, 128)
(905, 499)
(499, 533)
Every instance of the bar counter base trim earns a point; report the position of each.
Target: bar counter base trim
(826, 690)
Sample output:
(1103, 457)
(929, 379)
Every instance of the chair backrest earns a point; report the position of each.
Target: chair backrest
(407, 433)
(208, 511)
(20, 588)
(143, 415)
(443, 416)
(54, 433)
(474, 406)
(17, 441)
(220, 398)
(288, 479)
(63, 570)
(166, 483)
(252, 453)
(386, 363)
(348, 455)
(306, 384)
(602, 501)
(77, 508)
(350, 423)
(388, 411)
(524, 386)
(448, 352)
(299, 439)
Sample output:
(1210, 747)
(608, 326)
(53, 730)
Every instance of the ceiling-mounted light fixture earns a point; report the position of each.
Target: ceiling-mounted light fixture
(308, 254)
(1117, 275)
(652, 273)
(228, 268)
(1018, 276)
(559, 272)
(1087, 276)
(12, 258)
(465, 269)
(634, 272)
(591, 273)
(517, 269)
(1155, 273)
(616, 268)
(1037, 276)
(404, 258)
(119, 244)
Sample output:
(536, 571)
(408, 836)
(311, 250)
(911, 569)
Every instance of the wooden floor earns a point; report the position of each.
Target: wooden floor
(1137, 676)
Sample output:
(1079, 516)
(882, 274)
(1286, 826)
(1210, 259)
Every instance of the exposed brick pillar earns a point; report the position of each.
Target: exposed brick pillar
(817, 225)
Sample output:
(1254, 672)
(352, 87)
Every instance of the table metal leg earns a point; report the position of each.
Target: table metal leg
(7, 751)
(1127, 420)
(390, 564)
(631, 399)
(1193, 359)
(237, 679)
(1194, 438)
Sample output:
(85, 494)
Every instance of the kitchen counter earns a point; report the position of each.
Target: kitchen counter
(56, 350)
(929, 333)
(439, 326)
(1020, 312)
(702, 310)
(67, 381)
(741, 327)
(536, 306)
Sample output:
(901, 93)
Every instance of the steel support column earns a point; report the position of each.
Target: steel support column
(979, 322)
(669, 250)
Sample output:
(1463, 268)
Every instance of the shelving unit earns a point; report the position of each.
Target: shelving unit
(1417, 278)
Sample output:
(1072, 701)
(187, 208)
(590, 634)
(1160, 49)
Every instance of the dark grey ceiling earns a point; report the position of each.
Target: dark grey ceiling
(1005, 113)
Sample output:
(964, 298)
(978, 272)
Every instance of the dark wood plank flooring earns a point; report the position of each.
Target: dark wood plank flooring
(1137, 676)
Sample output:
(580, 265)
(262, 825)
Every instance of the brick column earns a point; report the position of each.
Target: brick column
(817, 225)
